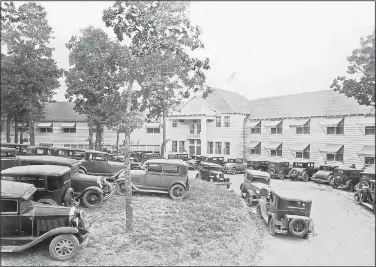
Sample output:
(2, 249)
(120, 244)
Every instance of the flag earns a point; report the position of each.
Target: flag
(231, 77)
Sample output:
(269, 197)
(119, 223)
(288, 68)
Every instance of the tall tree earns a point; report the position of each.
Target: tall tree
(97, 72)
(360, 81)
(152, 29)
(29, 75)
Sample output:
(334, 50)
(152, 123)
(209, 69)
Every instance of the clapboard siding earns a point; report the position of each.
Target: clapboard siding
(353, 139)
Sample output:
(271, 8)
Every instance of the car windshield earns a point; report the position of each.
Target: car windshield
(10, 154)
(231, 160)
(261, 180)
(37, 181)
(54, 183)
(216, 168)
(300, 165)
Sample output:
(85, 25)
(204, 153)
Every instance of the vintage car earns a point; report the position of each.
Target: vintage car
(138, 155)
(256, 184)
(52, 182)
(8, 158)
(235, 165)
(97, 163)
(325, 173)
(20, 148)
(150, 155)
(212, 173)
(279, 167)
(259, 163)
(365, 189)
(286, 211)
(302, 169)
(163, 176)
(216, 160)
(194, 162)
(73, 153)
(39, 150)
(176, 155)
(346, 177)
(91, 190)
(25, 223)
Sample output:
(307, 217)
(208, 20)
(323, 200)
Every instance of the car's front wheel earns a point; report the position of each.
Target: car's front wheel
(64, 247)
(177, 191)
(233, 171)
(196, 167)
(305, 177)
(281, 175)
(92, 198)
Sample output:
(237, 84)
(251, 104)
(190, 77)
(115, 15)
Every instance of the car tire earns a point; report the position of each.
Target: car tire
(228, 186)
(331, 179)
(258, 210)
(305, 177)
(48, 201)
(121, 188)
(62, 244)
(271, 171)
(272, 223)
(281, 175)
(295, 232)
(177, 191)
(248, 200)
(233, 171)
(92, 199)
(196, 167)
(69, 198)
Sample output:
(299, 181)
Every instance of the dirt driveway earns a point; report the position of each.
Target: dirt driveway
(344, 231)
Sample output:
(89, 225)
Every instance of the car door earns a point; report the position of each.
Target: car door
(170, 174)
(153, 179)
(10, 220)
(100, 164)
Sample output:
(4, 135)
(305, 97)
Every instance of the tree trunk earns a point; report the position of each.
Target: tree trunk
(127, 155)
(31, 128)
(98, 137)
(163, 146)
(9, 118)
(117, 141)
(90, 139)
(15, 130)
(22, 131)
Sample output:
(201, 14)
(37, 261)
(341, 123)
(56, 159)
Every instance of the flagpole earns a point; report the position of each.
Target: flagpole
(236, 81)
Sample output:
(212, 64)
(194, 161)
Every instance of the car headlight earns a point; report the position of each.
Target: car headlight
(258, 191)
(99, 183)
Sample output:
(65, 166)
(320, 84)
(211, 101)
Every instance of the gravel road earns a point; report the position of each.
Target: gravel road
(344, 231)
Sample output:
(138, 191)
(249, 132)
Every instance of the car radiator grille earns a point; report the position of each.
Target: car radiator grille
(47, 225)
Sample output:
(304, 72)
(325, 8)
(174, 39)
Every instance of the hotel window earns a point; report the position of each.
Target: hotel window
(276, 152)
(174, 123)
(153, 130)
(339, 129)
(369, 130)
(181, 146)
(46, 130)
(305, 129)
(198, 128)
(227, 121)
(335, 157)
(302, 155)
(191, 141)
(174, 146)
(276, 130)
(210, 148)
(227, 148)
(217, 121)
(255, 127)
(192, 129)
(256, 150)
(369, 160)
(69, 130)
(218, 147)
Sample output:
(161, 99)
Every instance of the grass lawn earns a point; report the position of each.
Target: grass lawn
(211, 226)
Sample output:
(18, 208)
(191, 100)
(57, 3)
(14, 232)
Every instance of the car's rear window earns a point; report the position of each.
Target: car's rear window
(8, 154)
(37, 181)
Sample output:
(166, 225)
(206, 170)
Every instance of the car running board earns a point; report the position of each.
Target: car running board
(368, 205)
(8, 248)
(148, 191)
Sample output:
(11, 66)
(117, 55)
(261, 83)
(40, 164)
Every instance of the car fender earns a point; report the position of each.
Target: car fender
(264, 212)
(174, 183)
(54, 232)
(100, 191)
(83, 168)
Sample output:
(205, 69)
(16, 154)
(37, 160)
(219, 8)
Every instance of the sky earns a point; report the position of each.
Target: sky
(276, 48)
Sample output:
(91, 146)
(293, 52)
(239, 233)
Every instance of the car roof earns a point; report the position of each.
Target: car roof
(166, 161)
(303, 161)
(44, 170)
(259, 173)
(211, 164)
(13, 144)
(260, 158)
(176, 153)
(67, 148)
(46, 159)
(278, 160)
(369, 170)
(291, 195)
(96, 152)
(7, 149)
(44, 147)
(10, 189)
(347, 168)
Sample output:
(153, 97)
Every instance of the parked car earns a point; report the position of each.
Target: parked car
(20, 148)
(278, 168)
(8, 158)
(216, 160)
(175, 155)
(234, 165)
(325, 174)
(194, 162)
(97, 163)
(138, 155)
(259, 163)
(346, 177)
(286, 212)
(135, 164)
(39, 150)
(147, 156)
(25, 223)
(163, 176)
(52, 182)
(368, 174)
(256, 184)
(91, 190)
(365, 189)
(73, 153)
(302, 169)
(212, 172)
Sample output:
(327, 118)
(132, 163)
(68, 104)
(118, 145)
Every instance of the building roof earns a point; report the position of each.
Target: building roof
(62, 111)
(318, 103)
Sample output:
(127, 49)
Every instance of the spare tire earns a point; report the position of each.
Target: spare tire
(293, 173)
(271, 171)
(295, 226)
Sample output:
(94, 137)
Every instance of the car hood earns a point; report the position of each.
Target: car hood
(323, 173)
(261, 185)
(45, 211)
(191, 161)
